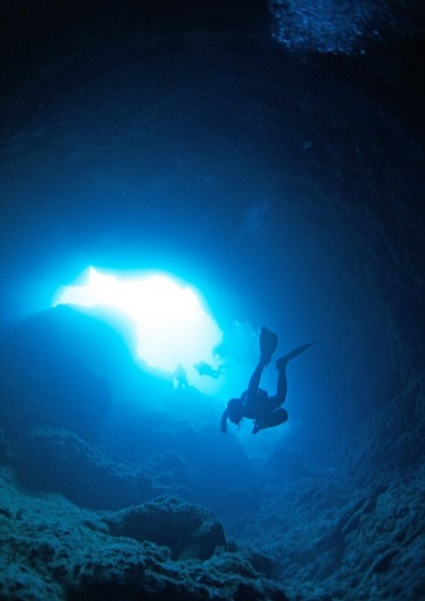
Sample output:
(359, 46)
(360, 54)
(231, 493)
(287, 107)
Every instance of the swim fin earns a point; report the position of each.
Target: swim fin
(283, 361)
(268, 344)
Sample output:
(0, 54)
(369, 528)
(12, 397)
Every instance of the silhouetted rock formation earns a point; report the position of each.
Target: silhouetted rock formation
(46, 377)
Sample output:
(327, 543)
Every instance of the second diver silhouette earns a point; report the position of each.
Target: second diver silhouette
(266, 411)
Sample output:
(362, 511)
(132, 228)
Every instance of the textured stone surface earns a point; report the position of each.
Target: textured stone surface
(51, 550)
(190, 531)
(53, 459)
(333, 539)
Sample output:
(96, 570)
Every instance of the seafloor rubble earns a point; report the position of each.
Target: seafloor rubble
(320, 535)
(53, 550)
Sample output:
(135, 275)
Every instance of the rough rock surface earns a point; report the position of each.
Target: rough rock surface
(56, 460)
(190, 531)
(333, 539)
(332, 534)
(52, 550)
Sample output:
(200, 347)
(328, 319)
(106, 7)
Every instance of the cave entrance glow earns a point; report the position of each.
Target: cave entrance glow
(172, 325)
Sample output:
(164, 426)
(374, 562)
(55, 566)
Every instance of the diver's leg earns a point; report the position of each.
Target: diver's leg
(254, 381)
(268, 345)
(270, 420)
(282, 386)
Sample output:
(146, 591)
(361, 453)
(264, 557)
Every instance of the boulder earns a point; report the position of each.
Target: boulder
(188, 530)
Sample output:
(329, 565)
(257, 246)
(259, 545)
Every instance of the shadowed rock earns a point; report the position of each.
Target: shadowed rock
(49, 375)
(53, 459)
(190, 531)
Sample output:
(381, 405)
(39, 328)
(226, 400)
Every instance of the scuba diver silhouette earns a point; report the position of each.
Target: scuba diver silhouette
(255, 403)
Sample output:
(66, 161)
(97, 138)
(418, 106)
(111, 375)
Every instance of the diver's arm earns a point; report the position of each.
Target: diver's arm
(223, 423)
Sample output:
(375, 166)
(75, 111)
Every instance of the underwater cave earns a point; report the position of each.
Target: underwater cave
(270, 156)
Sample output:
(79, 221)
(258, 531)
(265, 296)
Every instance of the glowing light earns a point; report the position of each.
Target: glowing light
(172, 327)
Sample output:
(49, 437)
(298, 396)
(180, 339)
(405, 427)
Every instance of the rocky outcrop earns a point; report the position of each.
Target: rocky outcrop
(47, 378)
(56, 460)
(332, 539)
(189, 531)
(391, 440)
(52, 550)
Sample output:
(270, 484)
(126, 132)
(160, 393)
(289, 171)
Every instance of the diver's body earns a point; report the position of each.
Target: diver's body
(266, 411)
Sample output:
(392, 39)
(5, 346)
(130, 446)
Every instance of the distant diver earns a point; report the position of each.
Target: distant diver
(205, 369)
(266, 411)
(180, 377)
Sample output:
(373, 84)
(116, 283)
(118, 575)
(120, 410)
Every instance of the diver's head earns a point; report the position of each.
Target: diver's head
(235, 411)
